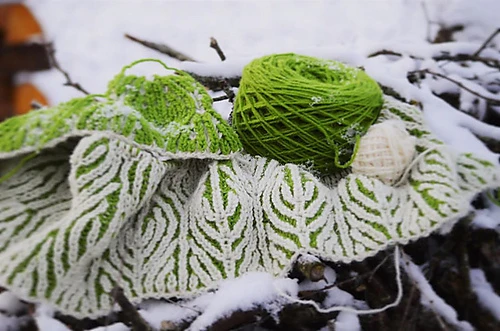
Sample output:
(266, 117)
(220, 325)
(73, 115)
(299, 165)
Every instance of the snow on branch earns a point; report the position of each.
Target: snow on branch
(429, 298)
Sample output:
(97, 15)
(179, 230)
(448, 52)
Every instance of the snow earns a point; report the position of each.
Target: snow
(486, 295)
(45, 322)
(346, 321)
(479, 16)
(244, 293)
(10, 304)
(113, 327)
(9, 323)
(488, 218)
(157, 312)
(430, 299)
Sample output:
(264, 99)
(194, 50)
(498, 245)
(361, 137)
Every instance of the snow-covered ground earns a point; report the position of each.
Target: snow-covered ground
(88, 37)
(88, 34)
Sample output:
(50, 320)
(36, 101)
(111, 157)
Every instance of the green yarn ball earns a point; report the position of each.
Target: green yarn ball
(304, 110)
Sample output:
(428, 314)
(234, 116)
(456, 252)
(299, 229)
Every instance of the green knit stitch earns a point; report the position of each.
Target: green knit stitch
(173, 113)
(300, 109)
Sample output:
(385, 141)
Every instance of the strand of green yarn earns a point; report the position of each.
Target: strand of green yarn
(304, 110)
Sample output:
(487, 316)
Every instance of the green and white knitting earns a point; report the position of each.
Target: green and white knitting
(108, 209)
(170, 116)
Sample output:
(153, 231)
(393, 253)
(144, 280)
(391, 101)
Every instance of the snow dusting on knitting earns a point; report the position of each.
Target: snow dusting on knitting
(147, 187)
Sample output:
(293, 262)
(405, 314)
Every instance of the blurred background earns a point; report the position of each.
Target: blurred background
(89, 43)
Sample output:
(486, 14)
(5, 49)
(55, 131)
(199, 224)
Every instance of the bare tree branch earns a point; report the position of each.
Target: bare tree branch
(131, 315)
(214, 82)
(492, 101)
(215, 45)
(54, 63)
(221, 98)
(162, 48)
(388, 52)
(487, 41)
(226, 87)
(491, 62)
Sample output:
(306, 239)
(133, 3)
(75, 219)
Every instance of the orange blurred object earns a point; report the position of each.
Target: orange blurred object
(18, 28)
(18, 24)
(24, 95)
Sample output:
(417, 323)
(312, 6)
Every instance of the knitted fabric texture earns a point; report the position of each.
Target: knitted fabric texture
(171, 116)
(90, 214)
(385, 152)
(299, 109)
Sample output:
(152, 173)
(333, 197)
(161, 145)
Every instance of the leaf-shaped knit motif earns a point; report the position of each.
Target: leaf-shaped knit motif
(177, 228)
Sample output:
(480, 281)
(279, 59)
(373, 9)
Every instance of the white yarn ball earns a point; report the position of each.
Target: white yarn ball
(385, 151)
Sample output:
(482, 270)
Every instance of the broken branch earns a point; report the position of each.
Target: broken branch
(311, 268)
(130, 314)
(487, 41)
(162, 48)
(221, 98)
(215, 45)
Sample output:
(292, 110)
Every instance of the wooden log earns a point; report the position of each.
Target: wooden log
(32, 57)
(6, 93)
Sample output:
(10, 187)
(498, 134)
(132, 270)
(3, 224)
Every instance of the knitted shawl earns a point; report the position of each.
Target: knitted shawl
(96, 194)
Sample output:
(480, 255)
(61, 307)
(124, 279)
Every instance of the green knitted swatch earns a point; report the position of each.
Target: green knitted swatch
(170, 115)
(299, 109)
(90, 214)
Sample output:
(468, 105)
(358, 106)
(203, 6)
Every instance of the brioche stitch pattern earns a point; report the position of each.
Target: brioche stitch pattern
(176, 228)
(171, 116)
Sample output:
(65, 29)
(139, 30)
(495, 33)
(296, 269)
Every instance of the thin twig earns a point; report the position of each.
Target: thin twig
(389, 52)
(215, 45)
(378, 266)
(221, 98)
(176, 303)
(463, 259)
(214, 82)
(492, 101)
(162, 48)
(227, 89)
(409, 305)
(130, 314)
(487, 41)
(363, 276)
(491, 62)
(51, 52)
